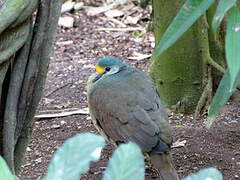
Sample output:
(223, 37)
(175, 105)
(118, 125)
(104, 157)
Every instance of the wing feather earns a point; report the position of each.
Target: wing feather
(130, 111)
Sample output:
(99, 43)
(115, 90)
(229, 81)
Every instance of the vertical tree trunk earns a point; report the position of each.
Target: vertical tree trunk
(181, 73)
(25, 52)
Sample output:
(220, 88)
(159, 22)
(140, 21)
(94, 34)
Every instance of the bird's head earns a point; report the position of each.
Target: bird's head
(108, 66)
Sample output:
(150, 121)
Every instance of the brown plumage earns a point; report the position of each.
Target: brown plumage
(125, 106)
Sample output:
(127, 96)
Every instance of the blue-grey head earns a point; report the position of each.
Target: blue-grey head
(108, 66)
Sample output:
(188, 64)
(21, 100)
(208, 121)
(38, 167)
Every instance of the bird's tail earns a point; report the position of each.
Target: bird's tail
(164, 164)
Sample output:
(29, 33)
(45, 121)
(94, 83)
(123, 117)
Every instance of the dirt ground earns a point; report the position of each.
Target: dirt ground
(76, 51)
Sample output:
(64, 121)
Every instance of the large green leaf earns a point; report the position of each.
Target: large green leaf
(5, 173)
(232, 45)
(220, 98)
(223, 7)
(205, 174)
(74, 156)
(186, 16)
(126, 163)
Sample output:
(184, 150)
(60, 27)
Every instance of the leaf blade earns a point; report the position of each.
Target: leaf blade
(74, 156)
(221, 97)
(208, 173)
(5, 171)
(232, 46)
(186, 16)
(222, 8)
(126, 163)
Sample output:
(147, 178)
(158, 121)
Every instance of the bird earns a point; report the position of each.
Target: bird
(125, 106)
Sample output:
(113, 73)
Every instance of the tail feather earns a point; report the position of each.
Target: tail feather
(164, 164)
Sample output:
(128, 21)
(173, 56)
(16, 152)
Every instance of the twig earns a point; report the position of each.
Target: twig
(116, 22)
(62, 114)
(121, 29)
(141, 57)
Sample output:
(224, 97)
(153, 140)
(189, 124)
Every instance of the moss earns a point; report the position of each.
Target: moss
(178, 71)
(182, 73)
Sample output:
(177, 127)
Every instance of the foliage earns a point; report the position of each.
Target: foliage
(4, 170)
(72, 159)
(77, 151)
(187, 15)
(127, 163)
(205, 174)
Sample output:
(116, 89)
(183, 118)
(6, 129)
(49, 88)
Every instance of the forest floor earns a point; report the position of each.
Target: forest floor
(75, 54)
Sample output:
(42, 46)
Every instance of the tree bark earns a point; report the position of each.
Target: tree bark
(183, 73)
(25, 47)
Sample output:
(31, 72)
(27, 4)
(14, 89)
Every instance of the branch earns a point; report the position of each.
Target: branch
(62, 114)
(215, 65)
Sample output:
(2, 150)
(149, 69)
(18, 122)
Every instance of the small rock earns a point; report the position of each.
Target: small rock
(25, 165)
(55, 126)
(89, 66)
(66, 21)
(62, 122)
(64, 42)
(38, 160)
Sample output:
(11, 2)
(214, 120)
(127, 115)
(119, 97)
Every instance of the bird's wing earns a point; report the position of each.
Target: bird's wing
(128, 110)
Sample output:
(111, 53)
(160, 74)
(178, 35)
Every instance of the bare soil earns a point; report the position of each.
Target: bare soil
(76, 51)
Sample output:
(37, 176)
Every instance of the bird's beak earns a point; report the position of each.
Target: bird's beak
(97, 78)
(100, 69)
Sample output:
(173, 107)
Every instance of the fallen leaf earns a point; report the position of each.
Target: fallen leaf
(139, 56)
(78, 6)
(179, 143)
(67, 6)
(114, 13)
(132, 20)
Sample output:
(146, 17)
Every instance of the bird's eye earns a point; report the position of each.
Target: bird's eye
(107, 69)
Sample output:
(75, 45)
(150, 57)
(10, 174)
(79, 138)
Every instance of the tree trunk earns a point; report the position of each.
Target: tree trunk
(25, 47)
(182, 73)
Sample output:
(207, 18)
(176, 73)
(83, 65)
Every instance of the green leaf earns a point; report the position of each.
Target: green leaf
(5, 173)
(232, 45)
(205, 174)
(74, 156)
(126, 163)
(221, 97)
(231, 78)
(186, 16)
(10, 11)
(222, 8)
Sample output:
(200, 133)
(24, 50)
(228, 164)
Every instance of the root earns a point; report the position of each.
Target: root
(206, 96)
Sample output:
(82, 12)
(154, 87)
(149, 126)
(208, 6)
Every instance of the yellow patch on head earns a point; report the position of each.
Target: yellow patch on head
(100, 69)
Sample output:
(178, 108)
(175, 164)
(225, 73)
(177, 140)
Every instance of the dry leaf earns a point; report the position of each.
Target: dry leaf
(78, 6)
(179, 143)
(67, 6)
(139, 56)
(114, 13)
